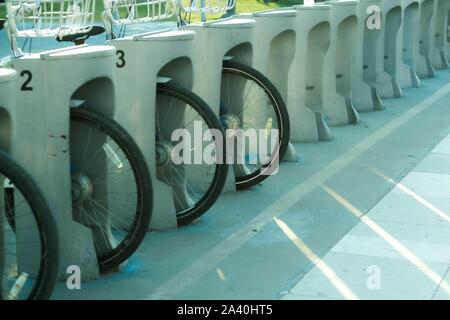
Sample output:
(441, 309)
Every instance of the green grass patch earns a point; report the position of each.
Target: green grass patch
(242, 6)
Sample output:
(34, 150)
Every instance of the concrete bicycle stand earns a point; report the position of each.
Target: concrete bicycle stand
(274, 45)
(337, 95)
(141, 60)
(386, 54)
(366, 96)
(305, 81)
(409, 35)
(427, 25)
(50, 84)
(392, 48)
(439, 59)
(392, 32)
(216, 41)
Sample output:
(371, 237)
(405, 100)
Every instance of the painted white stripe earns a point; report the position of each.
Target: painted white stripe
(391, 240)
(412, 194)
(210, 259)
(323, 267)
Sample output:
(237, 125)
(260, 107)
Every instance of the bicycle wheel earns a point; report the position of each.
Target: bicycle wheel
(28, 246)
(111, 186)
(199, 175)
(251, 103)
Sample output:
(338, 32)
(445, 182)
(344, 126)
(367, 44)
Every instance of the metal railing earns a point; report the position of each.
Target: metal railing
(49, 18)
(123, 12)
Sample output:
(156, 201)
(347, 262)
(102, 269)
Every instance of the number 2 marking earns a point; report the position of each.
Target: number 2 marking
(26, 85)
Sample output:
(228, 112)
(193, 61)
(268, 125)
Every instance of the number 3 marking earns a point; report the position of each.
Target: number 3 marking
(121, 56)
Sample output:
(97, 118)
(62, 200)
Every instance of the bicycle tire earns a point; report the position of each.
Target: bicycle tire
(48, 270)
(220, 174)
(242, 70)
(140, 170)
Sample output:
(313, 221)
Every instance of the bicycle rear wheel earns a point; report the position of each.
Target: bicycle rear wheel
(111, 186)
(28, 237)
(250, 102)
(198, 179)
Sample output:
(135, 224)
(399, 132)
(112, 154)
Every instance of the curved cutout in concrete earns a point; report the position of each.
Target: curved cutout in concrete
(410, 38)
(365, 94)
(305, 84)
(424, 67)
(392, 51)
(439, 58)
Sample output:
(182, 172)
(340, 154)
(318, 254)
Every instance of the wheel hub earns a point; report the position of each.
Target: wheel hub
(163, 153)
(230, 121)
(81, 188)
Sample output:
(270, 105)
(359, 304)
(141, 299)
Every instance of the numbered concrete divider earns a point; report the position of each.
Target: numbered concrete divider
(439, 57)
(409, 34)
(305, 79)
(427, 25)
(142, 61)
(50, 84)
(339, 64)
(215, 41)
(274, 49)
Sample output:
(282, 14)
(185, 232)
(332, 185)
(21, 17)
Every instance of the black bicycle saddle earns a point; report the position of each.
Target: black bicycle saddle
(81, 36)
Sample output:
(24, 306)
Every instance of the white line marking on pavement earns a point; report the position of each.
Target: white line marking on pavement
(320, 264)
(210, 259)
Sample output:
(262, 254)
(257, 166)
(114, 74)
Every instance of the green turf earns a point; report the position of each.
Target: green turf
(242, 6)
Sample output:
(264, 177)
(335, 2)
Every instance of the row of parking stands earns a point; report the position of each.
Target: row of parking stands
(94, 125)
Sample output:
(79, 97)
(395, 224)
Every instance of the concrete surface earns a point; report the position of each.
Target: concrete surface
(405, 237)
(279, 239)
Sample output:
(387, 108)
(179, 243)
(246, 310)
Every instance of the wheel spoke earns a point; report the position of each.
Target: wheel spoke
(192, 184)
(108, 194)
(257, 108)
